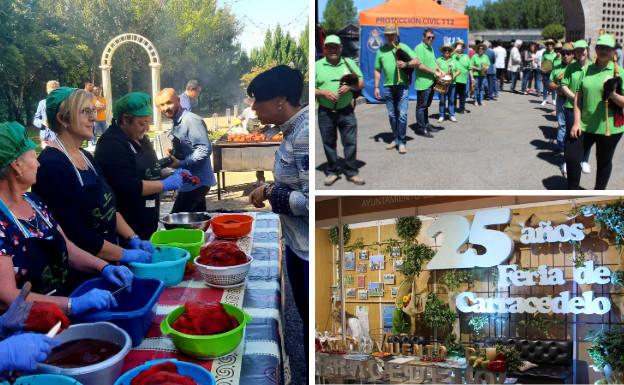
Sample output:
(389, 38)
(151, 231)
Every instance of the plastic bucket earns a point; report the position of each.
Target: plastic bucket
(102, 373)
(206, 347)
(188, 239)
(199, 374)
(136, 309)
(167, 265)
(44, 379)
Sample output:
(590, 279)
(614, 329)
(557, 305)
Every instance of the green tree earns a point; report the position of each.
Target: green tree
(514, 14)
(338, 14)
(553, 31)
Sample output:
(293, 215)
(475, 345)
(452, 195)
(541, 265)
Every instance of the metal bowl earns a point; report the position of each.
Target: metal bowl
(199, 220)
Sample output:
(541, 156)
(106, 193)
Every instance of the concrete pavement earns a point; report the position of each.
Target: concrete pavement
(504, 145)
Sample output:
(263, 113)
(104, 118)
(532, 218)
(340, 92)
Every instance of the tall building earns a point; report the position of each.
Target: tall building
(585, 18)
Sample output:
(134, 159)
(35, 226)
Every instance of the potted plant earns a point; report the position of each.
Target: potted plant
(607, 352)
(437, 314)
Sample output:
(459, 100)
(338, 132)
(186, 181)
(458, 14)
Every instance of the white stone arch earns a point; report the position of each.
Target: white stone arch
(106, 66)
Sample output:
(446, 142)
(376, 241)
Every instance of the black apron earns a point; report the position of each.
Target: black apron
(46, 264)
(102, 207)
(143, 217)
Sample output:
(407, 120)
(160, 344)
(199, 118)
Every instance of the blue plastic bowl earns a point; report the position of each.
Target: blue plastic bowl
(199, 374)
(135, 311)
(167, 265)
(44, 379)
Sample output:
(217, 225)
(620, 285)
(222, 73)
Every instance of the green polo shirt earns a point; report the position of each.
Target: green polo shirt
(385, 63)
(462, 63)
(572, 80)
(593, 111)
(556, 72)
(477, 62)
(328, 76)
(549, 56)
(425, 54)
(448, 66)
(557, 62)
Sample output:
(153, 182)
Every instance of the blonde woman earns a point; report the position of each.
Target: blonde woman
(73, 186)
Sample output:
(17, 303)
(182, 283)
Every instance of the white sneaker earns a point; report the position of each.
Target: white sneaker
(586, 168)
(452, 119)
(440, 119)
(544, 103)
(564, 169)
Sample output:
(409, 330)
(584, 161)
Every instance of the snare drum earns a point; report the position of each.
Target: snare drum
(442, 85)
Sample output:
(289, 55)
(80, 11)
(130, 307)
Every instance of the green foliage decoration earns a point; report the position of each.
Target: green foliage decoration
(334, 236)
(408, 228)
(607, 348)
(401, 322)
(454, 278)
(416, 256)
(437, 313)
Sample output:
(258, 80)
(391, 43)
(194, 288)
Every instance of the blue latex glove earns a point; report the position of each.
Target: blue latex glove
(94, 299)
(133, 255)
(172, 182)
(180, 171)
(14, 318)
(118, 275)
(24, 351)
(137, 243)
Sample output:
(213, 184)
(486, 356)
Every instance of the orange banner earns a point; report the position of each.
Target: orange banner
(413, 13)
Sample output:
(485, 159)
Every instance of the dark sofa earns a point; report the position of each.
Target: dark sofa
(553, 357)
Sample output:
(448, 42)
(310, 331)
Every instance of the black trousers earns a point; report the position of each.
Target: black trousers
(460, 94)
(500, 74)
(423, 101)
(576, 148)
(330, 123)
(191, 201)
(298, 276)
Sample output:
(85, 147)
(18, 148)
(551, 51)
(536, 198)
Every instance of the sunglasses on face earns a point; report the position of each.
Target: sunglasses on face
(430, 37)
(567, 53)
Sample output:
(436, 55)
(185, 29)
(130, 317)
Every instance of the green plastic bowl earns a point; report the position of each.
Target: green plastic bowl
(206, 347)
(190, 240)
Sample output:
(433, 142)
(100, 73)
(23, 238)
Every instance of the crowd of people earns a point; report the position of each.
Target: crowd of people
(562, 74)
(67, 215)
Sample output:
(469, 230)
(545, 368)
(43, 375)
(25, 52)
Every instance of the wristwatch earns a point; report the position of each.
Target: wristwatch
(69, 305)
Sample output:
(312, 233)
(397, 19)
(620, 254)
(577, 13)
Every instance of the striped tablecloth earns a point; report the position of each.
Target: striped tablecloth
(259, 358)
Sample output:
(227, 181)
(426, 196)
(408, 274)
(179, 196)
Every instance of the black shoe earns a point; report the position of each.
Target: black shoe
(424, 133)
(433, 129)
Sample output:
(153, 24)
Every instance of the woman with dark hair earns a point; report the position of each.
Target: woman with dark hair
(276, 95)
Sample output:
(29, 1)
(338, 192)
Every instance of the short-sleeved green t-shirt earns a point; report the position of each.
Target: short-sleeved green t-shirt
(557, 62)
(447, 66)
(572, 80)
(477, 62)
(328, 76)
(593, 111)
(425, 54)
(385, 62)
(549, 56)
(462, 63)
(557, 70)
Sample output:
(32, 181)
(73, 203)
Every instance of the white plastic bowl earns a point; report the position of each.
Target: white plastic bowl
(224, 276)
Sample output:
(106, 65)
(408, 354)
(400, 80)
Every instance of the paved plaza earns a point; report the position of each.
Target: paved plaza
(505, 144)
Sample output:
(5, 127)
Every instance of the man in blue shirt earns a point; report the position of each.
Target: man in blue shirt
(492, 92)
(190, 94)
(191, 151)
(41, 120)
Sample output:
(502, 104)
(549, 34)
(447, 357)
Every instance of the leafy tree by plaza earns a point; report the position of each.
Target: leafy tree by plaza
(553, 31)
(338, 14)
(514, 14)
